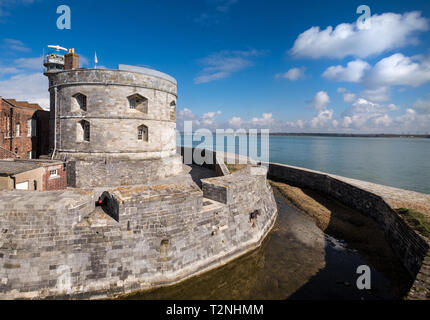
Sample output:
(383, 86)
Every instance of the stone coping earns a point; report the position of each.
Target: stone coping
(30, 200)
(104, 77)
(147, 71)
(395, 197)
(152, 192)
(15, 166)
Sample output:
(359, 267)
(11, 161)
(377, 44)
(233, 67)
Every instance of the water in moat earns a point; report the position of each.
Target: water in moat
(296, 261)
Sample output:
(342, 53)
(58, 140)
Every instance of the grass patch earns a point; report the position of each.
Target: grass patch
(235, 167)
(419, 221)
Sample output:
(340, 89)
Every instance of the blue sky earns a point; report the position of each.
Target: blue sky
(244, 63)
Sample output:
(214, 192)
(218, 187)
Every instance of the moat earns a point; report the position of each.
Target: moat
(296, 261)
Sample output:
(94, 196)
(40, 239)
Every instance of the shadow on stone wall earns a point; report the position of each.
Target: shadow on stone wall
(296, 261)
(390, 279)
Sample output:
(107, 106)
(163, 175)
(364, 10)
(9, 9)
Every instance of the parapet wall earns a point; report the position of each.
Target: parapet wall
(412, 248)
(58, 245)
(117, 172)
(210, 159)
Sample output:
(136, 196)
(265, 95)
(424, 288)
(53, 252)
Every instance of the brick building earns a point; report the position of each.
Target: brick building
(24, 130)
(32, 175)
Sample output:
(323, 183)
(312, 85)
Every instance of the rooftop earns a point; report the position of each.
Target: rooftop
(13, 167)
(147, 71)
(22, 104)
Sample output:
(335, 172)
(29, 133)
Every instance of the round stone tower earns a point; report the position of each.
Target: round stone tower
(114, 127)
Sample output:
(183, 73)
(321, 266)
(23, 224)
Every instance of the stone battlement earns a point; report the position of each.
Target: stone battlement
(59, 245)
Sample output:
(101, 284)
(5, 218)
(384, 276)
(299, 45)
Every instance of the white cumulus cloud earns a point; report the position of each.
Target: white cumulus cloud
(321, 119)
(265, 120)
(378, 94)
(235, 122)
(388, 31)
(320, 101)
(398, 69)
(353, 72)
(210, 117)
(422, 106)
(292, 74)
(394, 70)
(363, 114)
(27, 87)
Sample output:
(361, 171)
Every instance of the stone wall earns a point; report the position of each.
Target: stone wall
(411, 247)
(58, 245)
(113, 123)
(96, 128)
(116, 172)
(211, 159)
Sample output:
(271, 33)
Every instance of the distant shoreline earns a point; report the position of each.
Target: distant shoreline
(344, 135)
(356, 135)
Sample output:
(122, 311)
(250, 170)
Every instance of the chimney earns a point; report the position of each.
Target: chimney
(71, 60)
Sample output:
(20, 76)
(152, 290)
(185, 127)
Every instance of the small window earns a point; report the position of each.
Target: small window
(53, 173)
(138, 102)
(29, 124)
(173, 110)
(83, 131)
(16, 150)
(18, 129)
(142, 133)
(132, 103)
(81, 101)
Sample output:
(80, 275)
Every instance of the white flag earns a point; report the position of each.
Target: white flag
(95, 57)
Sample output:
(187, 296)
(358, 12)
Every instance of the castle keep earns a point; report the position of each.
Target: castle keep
(134, 216)
(114, 125)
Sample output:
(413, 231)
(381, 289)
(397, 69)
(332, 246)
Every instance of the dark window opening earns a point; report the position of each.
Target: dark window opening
(253, 217)
(138, 102)
(173, 110)
(83, 131)
(142, 133)
(81, 100)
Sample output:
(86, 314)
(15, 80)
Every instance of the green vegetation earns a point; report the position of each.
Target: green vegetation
(235, 167)
(419, 221)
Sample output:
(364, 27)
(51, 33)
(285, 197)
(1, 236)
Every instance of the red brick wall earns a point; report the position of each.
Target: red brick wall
(38, 145)
(58, 183)
(71, 61)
